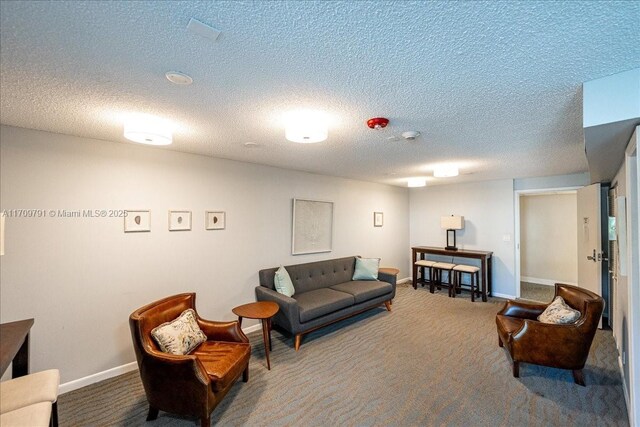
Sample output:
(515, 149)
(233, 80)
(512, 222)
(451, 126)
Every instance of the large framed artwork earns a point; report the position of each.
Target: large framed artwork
(312, 228)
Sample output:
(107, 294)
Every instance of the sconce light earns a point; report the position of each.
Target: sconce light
(451, 224)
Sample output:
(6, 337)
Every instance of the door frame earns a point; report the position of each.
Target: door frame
(518, 194)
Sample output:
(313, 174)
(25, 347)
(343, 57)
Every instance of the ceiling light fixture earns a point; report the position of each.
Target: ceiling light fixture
(445, 171)
(306, 126)
(148, 130)
(378, 123)
(178, 78)
(416, 182)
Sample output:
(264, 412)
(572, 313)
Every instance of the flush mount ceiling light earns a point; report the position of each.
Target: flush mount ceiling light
(178, 78)
(148, 130)
(378, 123)
(306, 126)
(445, 171)
(416, 182)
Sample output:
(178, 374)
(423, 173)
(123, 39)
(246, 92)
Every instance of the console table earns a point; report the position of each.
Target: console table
(419, 252)
(14, 347)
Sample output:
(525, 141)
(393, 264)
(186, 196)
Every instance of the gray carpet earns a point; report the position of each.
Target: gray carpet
(536, 292)
(432, 361)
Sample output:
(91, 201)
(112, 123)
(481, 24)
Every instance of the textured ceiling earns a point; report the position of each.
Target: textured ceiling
(494, 87)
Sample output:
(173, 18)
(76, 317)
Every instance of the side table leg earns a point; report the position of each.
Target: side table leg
(240, 321)
(267, 341)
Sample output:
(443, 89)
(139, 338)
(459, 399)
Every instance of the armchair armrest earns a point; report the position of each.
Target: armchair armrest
(522, 310)
(222, 331)
(157, 366)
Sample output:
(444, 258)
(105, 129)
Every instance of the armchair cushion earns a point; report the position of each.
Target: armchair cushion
(179, 336)
(558, 312)
(223, 361)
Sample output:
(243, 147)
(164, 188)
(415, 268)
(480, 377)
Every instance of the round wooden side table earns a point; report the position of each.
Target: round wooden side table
(264, 311)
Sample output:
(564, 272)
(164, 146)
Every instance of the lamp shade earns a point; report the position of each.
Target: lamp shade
(452, 222)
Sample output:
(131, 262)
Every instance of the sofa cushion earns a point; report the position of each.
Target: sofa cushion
(282, 282)
(364, 290)
(366, 269)
(223, 361)
(179, 336)
(319, 302)
(559, 312)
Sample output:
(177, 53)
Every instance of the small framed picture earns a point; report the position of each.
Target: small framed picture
(378, 219)
(179, 220)
(135, 221)
(215, 220)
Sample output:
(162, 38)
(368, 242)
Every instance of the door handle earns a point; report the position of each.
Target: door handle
(592, 258)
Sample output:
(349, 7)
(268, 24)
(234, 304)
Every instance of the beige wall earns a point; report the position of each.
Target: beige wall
(548, 239)
(80, 278)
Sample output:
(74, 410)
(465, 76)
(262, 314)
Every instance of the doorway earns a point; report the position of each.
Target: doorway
(546, 242)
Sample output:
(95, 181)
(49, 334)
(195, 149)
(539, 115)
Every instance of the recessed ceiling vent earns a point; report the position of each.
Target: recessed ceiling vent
(203, 30)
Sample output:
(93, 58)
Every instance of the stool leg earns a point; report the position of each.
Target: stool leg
(435, 279)
(472, 280)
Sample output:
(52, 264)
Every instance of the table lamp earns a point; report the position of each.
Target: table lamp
(451, 224)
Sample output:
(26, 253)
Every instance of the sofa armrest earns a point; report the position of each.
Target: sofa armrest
(288, 306)
(386, 277)
(522, 310)
(222, 331)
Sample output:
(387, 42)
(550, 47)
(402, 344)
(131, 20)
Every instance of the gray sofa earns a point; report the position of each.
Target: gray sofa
(324, 294)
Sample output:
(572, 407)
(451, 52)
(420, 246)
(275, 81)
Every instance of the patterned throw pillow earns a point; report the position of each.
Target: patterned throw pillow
(559, 312)
(181, 335)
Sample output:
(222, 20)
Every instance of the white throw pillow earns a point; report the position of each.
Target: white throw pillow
(181, 335)
(558, 312)
(282, 282)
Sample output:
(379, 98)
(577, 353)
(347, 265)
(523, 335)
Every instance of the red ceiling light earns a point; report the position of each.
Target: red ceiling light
(378, 123)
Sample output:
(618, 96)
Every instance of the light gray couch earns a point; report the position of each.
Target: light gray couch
(324, 294)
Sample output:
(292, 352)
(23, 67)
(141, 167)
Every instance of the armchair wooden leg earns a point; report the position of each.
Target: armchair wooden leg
(205, 421)
(245, 374)
(153, 413)
(500, 342)
(388, 305)
(297, 342)
(516, 369)
(578, 377)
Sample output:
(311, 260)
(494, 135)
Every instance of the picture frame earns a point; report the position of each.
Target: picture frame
(312, 226)
(378, 219)
(215, 220)
(136, 221)
(179, 220)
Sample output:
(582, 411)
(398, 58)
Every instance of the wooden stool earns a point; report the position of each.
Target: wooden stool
(29, 390)
(438, 268)
(474, 279)
(428, 265)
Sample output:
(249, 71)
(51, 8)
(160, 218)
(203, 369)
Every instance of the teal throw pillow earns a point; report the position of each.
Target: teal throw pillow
(366, 269)
(283, 282)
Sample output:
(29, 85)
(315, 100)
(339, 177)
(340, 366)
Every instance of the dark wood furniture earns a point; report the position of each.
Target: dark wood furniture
(264, 311)
(419, 252)
(14, 347)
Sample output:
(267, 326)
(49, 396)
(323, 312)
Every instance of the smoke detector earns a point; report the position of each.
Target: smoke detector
(378, 123)
(410, 135)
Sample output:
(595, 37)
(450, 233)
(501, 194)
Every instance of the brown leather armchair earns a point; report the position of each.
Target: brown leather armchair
(194, 384)
(558, 346)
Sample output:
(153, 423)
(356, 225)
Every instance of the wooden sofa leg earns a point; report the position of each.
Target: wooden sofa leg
(205, 421)
(578, 377)
(153, 413)
(516, 369)
(388, 305)
(297, 342)
(245, 374)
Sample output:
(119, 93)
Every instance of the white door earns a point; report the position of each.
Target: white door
(589, 239)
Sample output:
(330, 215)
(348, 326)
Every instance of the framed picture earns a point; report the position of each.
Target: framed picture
(378, 219)
(135, 221)
(215, 220)
(179, 220)
(312, 228)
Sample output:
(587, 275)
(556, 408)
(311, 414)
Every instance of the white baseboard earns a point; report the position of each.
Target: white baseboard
(506, 296)
(405, 280)
(548, 282)
(100, 376)
(119, 370)
(625, 390)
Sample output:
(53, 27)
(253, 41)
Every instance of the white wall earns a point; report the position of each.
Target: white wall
(611, 99)
(488, 210)
(549, 220)
(80, 278)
